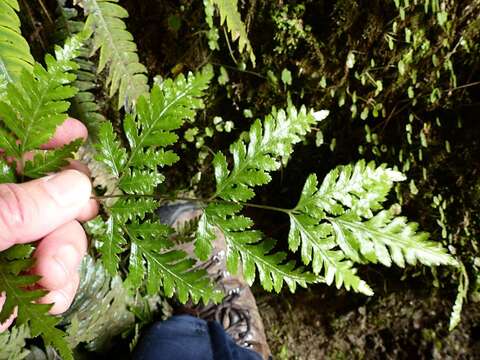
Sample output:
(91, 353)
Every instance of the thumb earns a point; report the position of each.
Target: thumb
(31, 210)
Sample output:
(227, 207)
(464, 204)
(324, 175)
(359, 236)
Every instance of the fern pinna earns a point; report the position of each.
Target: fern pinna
(334, 225)
(118, 52)
(30, 111)
(14, 50)
(149, 131)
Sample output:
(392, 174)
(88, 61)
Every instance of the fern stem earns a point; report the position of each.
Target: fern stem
(192, 199)
(265, 207)
(229, 47)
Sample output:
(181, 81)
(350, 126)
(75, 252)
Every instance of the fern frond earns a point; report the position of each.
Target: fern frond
(246, 247)
(100, 310)
(386, 238)
(341, 221)
(170, 270)
(14, 262)
(149, 130)
(462, 293)
(126, 75)
(33, 107)
(212, 33)
(12, 343)
(84, 105)
(30, 111)
(269, 145)
(318, 248)
(14, 49)
(230, 16)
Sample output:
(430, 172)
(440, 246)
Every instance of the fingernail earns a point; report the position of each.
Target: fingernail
(70, 187)
(65, 257)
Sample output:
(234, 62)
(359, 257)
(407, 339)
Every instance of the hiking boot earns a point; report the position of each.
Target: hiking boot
(238, 312)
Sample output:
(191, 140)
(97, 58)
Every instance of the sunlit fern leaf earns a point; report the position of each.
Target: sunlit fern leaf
(14, 49)
(318, 248)
(12, 343)
(110, 151)
(386, 238)
(131, 225)
(171, 271)
(14, 263)
(245, 247)
(118, 52)
(34, 106)
(230, 16)
(112, 244)
(270, 144)
(343, 220)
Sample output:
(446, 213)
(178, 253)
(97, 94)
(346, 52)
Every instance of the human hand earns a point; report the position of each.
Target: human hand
(50, 209)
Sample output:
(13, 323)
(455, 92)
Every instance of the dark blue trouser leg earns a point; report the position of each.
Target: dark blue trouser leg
(185, 337)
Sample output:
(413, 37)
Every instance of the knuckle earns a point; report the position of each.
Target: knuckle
(15, 211)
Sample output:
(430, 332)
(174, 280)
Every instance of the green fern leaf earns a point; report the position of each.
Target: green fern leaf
(212, 34)
(245, 246)
(230, 15)
(132, 209)
(149, 129)
(172, 270)
(149, 229)
(112, 244)
(386, 238)
(34, 106)
(84, 105)
(269, 145)
(109, 150)
(170, 104)
(462, 293)
(45, 162)
(13, 263)
(14, 50)
(140, 182)
(343, 220)
(317, 247)
(12, 343)
(126, 75)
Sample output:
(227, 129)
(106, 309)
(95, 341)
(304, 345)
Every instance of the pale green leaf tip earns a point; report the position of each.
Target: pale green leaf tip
(365, 289)
(320, 115)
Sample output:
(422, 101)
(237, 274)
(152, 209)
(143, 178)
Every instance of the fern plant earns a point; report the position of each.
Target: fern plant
(14, 50)
(12, 343)
(126, 75)
(334, 226)
(150, 130)
(231, 18)
(30, 111)
(84, 105)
